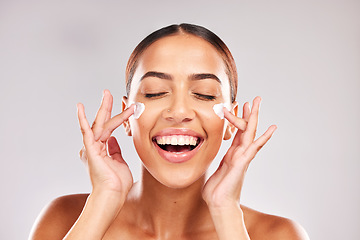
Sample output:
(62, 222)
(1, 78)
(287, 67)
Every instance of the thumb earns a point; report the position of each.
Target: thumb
(114, 150)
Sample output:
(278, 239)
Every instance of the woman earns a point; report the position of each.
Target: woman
(183, 80)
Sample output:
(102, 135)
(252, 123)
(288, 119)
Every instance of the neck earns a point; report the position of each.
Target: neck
(165, 211)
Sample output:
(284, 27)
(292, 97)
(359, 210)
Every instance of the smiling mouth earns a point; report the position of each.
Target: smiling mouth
(177, 143)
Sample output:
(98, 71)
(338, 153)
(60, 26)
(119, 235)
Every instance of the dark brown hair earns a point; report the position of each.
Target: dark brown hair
(195, 30)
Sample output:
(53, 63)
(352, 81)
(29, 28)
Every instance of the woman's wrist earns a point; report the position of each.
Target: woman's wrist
(217, 204)
(109, 202)
(228, 208)
(110, 196)
(99, 212)
(229, 221)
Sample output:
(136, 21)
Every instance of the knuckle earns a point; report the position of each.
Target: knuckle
(82, 150)
(83, 155)
(258, 146)
(83, 132)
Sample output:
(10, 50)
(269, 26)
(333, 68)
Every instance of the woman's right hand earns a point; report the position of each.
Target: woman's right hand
(108, 171)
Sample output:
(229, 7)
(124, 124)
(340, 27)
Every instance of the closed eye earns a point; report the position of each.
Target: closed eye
(154, 95)
(205, 97)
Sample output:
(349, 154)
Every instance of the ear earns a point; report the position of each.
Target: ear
(126, 123)
(230, 128)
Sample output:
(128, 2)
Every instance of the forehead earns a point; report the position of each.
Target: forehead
(183, 54)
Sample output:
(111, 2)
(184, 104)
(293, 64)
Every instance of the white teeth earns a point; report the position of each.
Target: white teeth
(181, 140)
(176, 140)
(187, 141)
(173, 141)
(192, 141)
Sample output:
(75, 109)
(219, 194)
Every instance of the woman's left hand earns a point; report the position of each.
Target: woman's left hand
(223, 188)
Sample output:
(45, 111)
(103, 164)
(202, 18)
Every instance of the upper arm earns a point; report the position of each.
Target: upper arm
(58, 217)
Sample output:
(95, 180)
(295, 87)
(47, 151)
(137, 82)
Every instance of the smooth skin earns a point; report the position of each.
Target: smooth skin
(148, 209)
(96, 216)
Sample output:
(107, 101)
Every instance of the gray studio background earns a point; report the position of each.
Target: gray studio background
(302, 57)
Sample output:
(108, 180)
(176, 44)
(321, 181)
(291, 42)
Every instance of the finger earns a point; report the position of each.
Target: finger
(108, 115)
(115, 122)
(239, 123)
(103, 112)
(255, 147)
(246, 111)
(250, 132)
(114, 150)
(86, 131)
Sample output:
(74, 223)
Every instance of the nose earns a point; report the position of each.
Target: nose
(180, 110)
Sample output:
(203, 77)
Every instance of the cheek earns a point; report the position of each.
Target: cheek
(215, 130)
(143, 119)
(142, 127)
(211, 121)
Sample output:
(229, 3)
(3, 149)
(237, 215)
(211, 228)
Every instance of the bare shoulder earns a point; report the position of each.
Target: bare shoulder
(56, 219)
(265, 226)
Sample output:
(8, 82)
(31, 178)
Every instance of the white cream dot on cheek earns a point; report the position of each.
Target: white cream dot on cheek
(219, 110)
(139, 109)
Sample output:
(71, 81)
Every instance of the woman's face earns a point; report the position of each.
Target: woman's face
(179, 79)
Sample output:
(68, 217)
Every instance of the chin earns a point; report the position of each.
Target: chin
(180, 178)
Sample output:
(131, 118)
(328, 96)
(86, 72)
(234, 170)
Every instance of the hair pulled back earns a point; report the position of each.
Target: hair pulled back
(185, 28)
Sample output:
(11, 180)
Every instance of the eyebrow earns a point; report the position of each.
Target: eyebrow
(157, 75)
(201, 76)
(193, 77)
